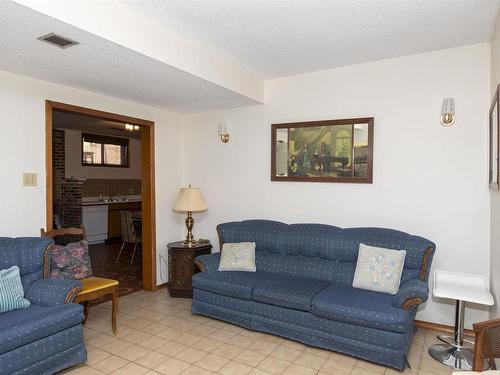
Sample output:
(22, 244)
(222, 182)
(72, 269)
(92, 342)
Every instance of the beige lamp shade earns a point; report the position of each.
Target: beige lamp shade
(190, 200)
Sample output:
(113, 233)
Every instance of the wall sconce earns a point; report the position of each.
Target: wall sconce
(448, 112)
(223, 133)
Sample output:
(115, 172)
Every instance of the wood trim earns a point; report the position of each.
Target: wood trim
(49, 214)
(364, 180)
(425, 261)
(148, 178)
(72, 294)
(46, 263)
(63, 232)
(63, 107)
(440, 327)
(411, 302)
(487, 324)
(200, 265)
(219, 235)
(162, 286)
(148, 207)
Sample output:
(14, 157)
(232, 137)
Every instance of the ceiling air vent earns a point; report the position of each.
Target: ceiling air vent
(57, 40)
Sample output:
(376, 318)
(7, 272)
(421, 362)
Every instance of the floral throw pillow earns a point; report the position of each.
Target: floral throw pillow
(71, 261)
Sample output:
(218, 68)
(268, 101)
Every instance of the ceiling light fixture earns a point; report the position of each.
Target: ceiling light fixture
(131, 127)
(57, 40)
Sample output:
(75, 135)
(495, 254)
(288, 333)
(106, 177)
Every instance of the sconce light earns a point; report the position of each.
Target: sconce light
(223, 133)
(448, 112)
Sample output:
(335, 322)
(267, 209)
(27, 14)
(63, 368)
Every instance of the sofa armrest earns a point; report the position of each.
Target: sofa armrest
(412, 293)
(208, 263)
(50, 292)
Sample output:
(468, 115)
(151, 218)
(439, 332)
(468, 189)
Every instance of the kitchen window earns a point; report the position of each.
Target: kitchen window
(104, 151)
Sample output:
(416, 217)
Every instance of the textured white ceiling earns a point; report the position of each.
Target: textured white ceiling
(278, 38)
(101, 66)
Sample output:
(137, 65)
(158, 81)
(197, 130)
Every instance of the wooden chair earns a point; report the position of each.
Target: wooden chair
(92, 287)
(131, 233)
(487, 345)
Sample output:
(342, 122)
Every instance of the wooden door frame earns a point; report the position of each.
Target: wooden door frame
(148, 179)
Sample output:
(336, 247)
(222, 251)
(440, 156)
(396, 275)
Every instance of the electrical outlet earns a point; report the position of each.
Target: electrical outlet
(29, 179)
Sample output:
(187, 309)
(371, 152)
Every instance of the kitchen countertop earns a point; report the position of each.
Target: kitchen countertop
(97, 202)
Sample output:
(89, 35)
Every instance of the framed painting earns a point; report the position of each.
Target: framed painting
(494, 140)
(323, 151)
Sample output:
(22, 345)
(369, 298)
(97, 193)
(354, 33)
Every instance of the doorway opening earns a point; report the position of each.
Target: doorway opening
(104, 180)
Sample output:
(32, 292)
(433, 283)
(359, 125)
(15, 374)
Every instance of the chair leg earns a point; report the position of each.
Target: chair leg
(493, 365)
(120, 253)
(86, 308)
(114, 312)
(133, 254)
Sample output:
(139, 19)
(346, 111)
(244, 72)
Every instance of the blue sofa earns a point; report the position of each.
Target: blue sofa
(47, 336)
(302, 289)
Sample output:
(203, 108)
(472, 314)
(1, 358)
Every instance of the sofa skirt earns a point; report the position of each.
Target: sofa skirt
(46, 356)
(375, 345)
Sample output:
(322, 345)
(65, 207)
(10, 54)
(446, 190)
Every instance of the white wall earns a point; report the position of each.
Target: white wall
(74, 167)
(495, 195)
(22, 149)
(428, 180)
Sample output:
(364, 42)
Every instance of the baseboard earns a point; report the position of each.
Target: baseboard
(162, 286)
(441, 327)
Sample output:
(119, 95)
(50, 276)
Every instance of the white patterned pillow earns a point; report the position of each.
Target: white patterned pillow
(379, 269)
(238, 257)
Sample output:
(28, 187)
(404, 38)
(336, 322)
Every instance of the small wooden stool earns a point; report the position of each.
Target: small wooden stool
(96, 287)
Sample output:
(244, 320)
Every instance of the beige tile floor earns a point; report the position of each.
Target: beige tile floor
(159, 335)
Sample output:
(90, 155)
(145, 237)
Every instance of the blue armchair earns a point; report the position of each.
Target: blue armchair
(47, 336)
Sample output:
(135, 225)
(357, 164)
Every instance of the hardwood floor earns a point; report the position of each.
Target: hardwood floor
(103, 258)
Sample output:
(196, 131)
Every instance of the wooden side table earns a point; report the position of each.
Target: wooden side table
(182, 267)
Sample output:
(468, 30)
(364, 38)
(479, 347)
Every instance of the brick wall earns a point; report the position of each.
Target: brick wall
(58, 166)
(71, 199)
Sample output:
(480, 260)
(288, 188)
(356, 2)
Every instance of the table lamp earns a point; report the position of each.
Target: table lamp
(190, 200)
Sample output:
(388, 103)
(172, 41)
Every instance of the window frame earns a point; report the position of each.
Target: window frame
(105, 140)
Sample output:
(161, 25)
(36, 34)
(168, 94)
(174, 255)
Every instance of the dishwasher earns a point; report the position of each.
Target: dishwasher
(95, 221)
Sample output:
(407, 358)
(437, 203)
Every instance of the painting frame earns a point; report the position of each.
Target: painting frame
(494, 140)
(368, 179)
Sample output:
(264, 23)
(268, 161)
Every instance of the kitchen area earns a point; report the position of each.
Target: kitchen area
(97, 184)
(101, 201)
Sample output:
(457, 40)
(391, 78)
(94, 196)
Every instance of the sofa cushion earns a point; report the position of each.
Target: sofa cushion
(33, 323)
(234, 284)
(288, 291)
(362, 307)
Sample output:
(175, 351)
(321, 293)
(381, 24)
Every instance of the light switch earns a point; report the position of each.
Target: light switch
(29, 179)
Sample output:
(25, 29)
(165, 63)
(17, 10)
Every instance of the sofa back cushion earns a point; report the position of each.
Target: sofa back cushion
(329, 252)
(27, 253)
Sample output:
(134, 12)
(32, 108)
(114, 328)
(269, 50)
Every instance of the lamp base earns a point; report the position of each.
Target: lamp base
(190, 241)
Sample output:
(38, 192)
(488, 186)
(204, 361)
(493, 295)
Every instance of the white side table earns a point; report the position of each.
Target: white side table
(457, 352)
